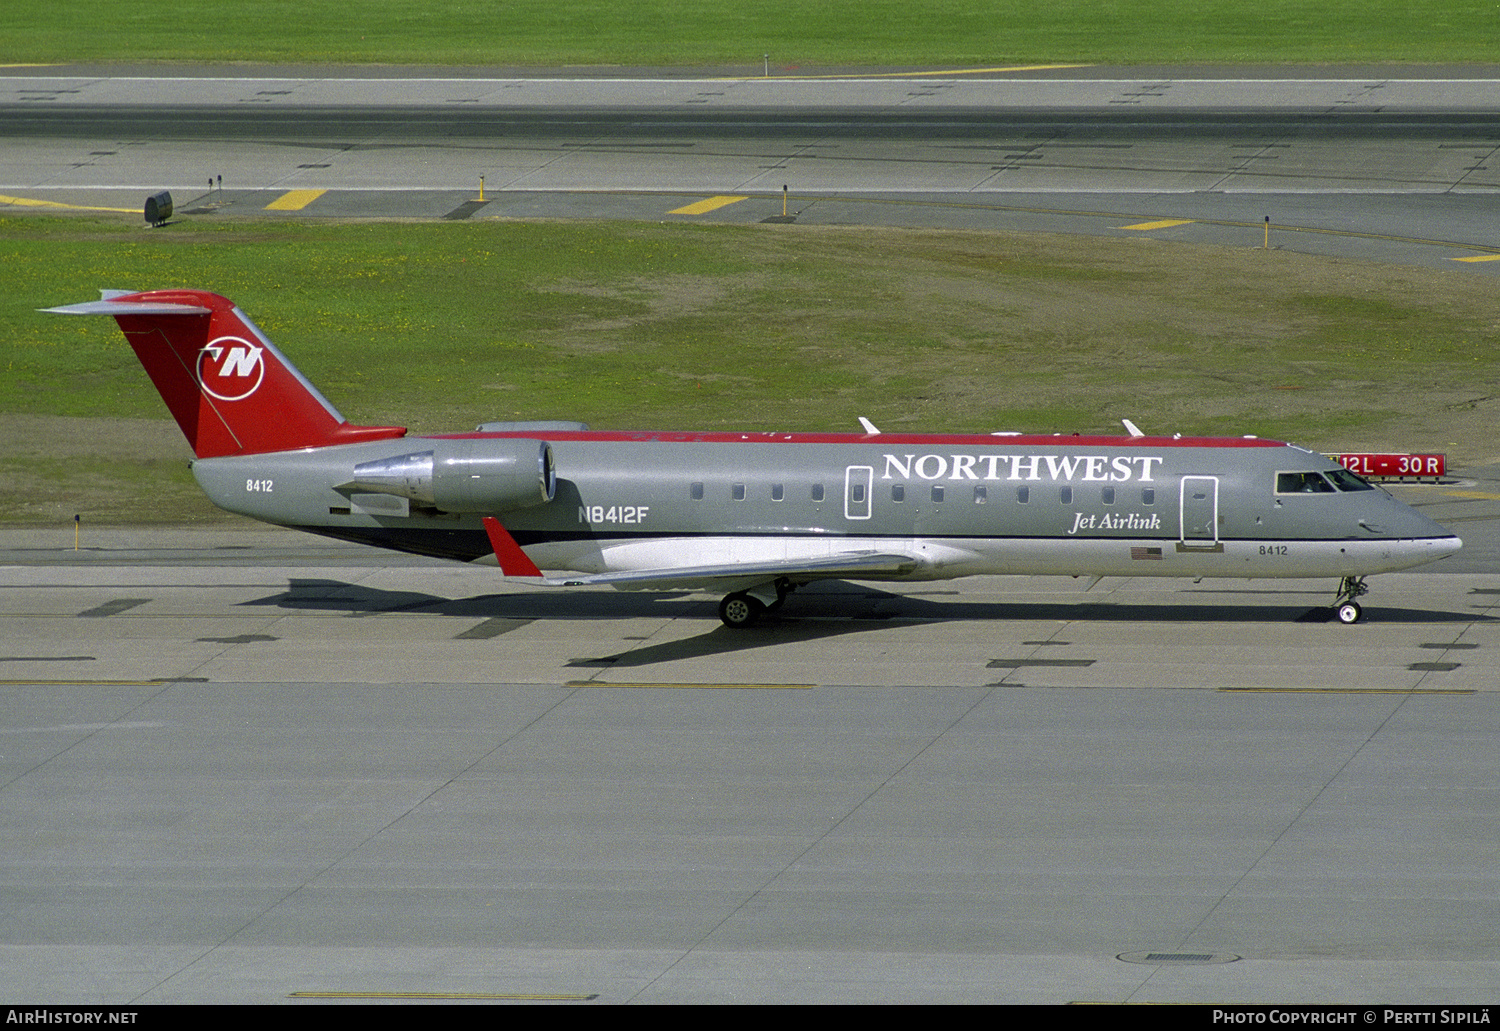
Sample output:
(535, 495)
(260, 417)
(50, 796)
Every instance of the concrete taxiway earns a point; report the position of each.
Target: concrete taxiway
(1367, 162)
(252, 766)
(244, 765)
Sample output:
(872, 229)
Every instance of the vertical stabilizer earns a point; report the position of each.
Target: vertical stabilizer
(228, 387)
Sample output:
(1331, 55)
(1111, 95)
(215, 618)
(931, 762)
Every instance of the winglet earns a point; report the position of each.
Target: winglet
(513, 561)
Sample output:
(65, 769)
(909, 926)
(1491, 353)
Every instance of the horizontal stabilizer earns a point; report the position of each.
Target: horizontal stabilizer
(108, 307)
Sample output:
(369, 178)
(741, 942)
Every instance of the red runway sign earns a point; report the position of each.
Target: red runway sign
(1428, 466)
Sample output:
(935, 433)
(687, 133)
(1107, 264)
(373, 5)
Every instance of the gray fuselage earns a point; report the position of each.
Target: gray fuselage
(959, 504)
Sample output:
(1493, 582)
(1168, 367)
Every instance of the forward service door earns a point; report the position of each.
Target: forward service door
(1199, 513)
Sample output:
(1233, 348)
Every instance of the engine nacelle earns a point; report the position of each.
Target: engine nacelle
(465, 475)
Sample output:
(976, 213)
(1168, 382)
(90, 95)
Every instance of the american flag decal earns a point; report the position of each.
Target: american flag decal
(1146, 554)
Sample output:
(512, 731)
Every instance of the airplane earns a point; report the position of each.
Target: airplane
(753, 515)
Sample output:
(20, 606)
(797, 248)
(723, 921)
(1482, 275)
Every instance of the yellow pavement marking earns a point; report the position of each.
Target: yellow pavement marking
(517, 996)
(918, 75)
(702, 207)
(1477, 494)
(1353, 691)
(740, 687)
(87, 683)
(1481, 257)
(1167, 223)
(294, 200)
(27, 202)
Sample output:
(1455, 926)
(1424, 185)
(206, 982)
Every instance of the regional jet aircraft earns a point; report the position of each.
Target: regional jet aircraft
(753, 515)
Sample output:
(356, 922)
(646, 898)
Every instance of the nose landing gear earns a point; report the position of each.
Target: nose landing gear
(1344, 606)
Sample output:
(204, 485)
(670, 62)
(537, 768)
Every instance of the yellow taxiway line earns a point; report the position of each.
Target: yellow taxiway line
(28, 202)
(914, 75)
(512, 996)
(703, 207)
(695, 687)
(1166, 223)
(294, 200)
(1348, 690)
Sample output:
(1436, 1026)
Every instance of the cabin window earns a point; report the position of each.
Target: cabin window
(1343, 479)
(1023, 494)
(937, 492)
(817, 492)
(856, 493)
(1065, 495)
(777, 493)
(737, 492)
(1107, 495)
(898, 492)
(1302, 483)
(981, 494)
(695, 491)
(1148, 495)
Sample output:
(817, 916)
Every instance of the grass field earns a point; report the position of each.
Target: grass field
(689, 32)
(439, 326)
(442, 326)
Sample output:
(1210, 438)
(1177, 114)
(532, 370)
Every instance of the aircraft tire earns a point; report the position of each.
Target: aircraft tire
(1348, 613)
(738, 611)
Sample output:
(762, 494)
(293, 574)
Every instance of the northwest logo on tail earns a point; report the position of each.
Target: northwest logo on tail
(230, 369)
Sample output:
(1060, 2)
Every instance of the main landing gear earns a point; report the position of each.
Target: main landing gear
(744, 608)
(1344, 606)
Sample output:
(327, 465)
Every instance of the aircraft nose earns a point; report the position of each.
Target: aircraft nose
(1401, 520)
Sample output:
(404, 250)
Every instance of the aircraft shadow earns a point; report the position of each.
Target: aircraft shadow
(828, 613)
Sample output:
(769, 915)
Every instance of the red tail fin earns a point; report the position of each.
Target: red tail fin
(228, 387)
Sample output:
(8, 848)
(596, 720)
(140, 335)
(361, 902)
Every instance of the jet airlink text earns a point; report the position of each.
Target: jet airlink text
(1117, 521)
(1102, 468)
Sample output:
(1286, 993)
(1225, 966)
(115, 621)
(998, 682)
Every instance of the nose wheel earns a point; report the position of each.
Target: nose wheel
(1345, 608)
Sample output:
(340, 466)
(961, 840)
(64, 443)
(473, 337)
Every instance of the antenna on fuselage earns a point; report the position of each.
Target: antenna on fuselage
(869, 426)
(1135, 431)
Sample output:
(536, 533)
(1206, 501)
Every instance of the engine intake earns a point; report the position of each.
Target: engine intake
(473, 475)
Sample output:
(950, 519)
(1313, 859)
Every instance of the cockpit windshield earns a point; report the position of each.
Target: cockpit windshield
(1319, 482)
(1343, 479)
(1302, 483)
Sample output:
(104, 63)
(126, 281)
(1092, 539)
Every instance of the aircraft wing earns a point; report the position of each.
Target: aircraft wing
(733, 576)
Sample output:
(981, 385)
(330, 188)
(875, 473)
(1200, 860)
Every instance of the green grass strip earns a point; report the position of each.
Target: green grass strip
(689, 32)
